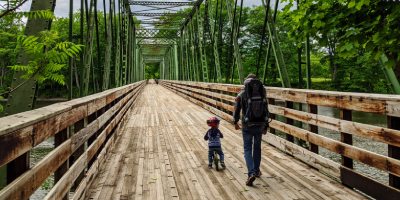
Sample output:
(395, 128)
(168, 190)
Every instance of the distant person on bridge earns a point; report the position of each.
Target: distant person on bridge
(253, 104)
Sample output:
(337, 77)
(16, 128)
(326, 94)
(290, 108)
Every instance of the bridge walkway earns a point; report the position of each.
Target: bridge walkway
(161, 154)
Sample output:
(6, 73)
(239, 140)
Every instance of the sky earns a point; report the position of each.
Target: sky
(62, 6)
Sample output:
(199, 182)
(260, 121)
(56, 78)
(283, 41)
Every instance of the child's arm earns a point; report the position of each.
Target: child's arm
(221, 135)
(206, 136)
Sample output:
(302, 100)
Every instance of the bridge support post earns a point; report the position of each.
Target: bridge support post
(58, 140)
(176, 63)
(314, 110)
(393, 151)
(346, 138)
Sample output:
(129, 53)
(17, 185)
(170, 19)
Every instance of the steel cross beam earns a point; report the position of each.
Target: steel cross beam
(160, 14)
(157, 33)
(159, 3)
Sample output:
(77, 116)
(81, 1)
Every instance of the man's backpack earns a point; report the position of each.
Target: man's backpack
(257, 109)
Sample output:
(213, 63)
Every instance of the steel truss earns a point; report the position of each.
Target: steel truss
(157, 33)
(160, 14)
(161, 41)
(160, 3)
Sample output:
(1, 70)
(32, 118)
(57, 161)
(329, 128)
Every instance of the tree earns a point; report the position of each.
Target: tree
(349, 31)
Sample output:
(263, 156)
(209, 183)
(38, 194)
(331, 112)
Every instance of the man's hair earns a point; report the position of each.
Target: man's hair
(251, 76)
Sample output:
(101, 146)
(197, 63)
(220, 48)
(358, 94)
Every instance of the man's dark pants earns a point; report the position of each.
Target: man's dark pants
(252, 148)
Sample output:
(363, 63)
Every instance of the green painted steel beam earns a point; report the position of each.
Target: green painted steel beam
(202, 50)
(87, 59)
(236, 48)
(214, 40)
(176, 62)
(390, 75)
(22, 95)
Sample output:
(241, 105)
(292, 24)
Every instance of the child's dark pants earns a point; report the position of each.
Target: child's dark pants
(211, 154)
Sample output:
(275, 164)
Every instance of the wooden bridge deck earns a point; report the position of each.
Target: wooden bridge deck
(161, 154)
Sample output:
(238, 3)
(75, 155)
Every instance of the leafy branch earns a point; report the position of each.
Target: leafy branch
(13, 9)
(48, 56)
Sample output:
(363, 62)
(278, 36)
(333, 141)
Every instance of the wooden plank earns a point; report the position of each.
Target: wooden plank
(371, 187)
(175, 147)
(206, 99)
(322, 164)
(206, 92)
(41, 171)
(25, 135)
(375, 103)
(25, 185)
(380, 134)
(372, 159)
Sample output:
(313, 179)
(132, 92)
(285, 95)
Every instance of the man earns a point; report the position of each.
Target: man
(252, 105)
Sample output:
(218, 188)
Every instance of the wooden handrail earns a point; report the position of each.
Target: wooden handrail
(363, 102)
(100, 113)
(208, 96)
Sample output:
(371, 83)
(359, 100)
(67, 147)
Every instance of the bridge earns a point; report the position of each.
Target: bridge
(125, 137)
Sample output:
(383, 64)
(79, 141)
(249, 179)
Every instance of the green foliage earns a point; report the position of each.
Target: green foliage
(38, 14)
(353, 35)
(47, 56)
(152, 71)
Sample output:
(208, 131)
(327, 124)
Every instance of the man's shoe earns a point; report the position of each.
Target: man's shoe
(250, 180)
(258, 174)
(209, 166)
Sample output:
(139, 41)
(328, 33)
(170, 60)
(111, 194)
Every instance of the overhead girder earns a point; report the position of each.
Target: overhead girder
(160, 3)
(157, 33)
(158, 23)
(157, 14)
(163, 41)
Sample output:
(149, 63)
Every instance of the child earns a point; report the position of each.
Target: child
(213, 136)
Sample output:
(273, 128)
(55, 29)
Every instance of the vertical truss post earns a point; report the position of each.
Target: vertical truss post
(176, 63)
(193, 55)
(274, 40)
(236, 48)
(214, 40)
(125, 42)
(187, 56)
(137, 62)
(181, 65)
(163, 69)
(202, 51)
(133, 52)
(108, 52)
(117, 48)
(88, 50)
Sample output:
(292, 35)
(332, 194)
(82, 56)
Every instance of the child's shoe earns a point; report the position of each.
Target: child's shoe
(223, 165)
(209, 166)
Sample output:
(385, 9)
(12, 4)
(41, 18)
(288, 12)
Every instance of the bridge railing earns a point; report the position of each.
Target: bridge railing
(84, 129)
(220, 99)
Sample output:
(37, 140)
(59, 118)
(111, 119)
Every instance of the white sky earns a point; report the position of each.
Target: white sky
(62, 6)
